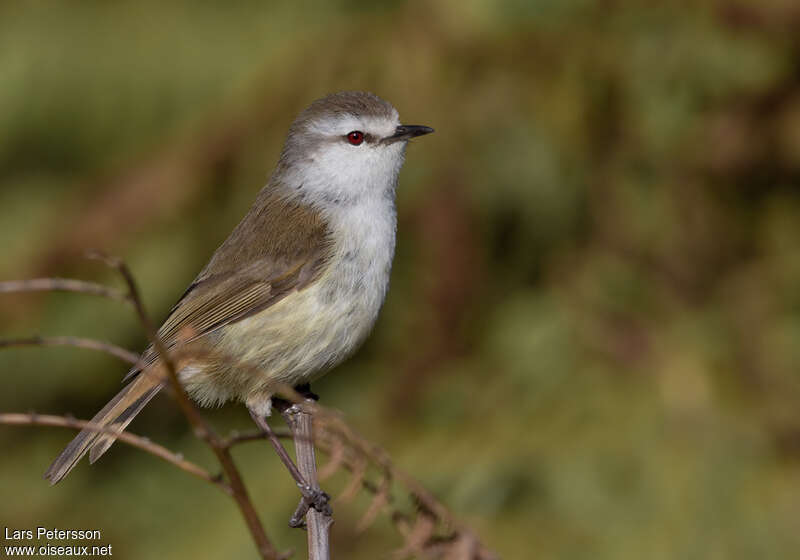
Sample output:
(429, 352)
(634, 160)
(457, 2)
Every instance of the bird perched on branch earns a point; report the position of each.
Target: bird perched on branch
(298, 284)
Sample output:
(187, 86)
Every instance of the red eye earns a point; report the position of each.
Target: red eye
(355, 137)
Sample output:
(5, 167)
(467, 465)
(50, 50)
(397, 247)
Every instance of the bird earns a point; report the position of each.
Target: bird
(296, 287)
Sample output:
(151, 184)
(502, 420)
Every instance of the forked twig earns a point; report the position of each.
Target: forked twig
(176, 459)
(87, 343)
(63, 285)
(432, 532)
(198, 423)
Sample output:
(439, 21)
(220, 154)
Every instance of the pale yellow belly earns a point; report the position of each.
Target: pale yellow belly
(294, 341)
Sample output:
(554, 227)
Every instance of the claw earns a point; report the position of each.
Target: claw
(312, 498)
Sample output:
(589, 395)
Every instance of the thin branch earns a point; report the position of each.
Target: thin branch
(63, 285)
(331, 434)
(131, 439)
(379, 501)
(336, 431)
(300, 420)
(358, 470)
(417, 537)
(200, 426)
(86, 343)
(335, 460)
(378, 456)
(262, 423)
(349, 450)
(236, 437)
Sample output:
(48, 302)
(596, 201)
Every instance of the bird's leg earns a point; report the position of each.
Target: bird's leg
(262, 424)
(300, 419)
(312, 497)
(315, 497)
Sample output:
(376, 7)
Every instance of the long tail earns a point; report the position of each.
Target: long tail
(114, 417)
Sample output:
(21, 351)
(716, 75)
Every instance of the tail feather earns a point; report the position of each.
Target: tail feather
(105, 439)
(113, 418)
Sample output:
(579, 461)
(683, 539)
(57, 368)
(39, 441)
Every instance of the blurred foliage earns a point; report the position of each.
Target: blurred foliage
(594, 321)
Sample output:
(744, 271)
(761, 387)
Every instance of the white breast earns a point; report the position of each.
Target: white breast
(308, 332)
(354, 288)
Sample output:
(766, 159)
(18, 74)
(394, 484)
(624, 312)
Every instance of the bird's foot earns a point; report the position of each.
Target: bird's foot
(312, 498)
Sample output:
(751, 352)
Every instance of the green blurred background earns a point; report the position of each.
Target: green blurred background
(590, 348)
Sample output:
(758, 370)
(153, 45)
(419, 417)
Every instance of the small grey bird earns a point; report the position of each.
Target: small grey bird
(297, 286)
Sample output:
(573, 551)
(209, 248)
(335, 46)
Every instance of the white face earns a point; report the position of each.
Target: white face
(345, 149)
(352, 158)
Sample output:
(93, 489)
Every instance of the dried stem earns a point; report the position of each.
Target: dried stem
(432, 532)
(62, 285)
(300, 420)
(198, 423)
(176, 459)
(87, 343)
(262, 423)
(236, 437)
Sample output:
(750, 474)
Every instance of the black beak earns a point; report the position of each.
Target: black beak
(407, 132)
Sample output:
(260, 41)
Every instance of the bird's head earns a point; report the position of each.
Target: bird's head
(346, 146)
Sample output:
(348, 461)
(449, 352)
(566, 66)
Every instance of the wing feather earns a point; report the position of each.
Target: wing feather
(279, 247)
